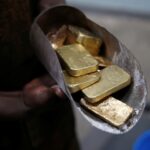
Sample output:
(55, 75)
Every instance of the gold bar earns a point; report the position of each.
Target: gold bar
(77, 59)
(87, 39)
(103, 62)
(71, 38)
(77, 83)
(113, 78)
(57, 40)
(111, 110)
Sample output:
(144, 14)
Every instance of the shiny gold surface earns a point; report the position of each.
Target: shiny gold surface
(71, 38)
(87, 39)
(77, 83)
(111, 110)
(77, 59)
(57, 40)
(113, 78)
(103, 62)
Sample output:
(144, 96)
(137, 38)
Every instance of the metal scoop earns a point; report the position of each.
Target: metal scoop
(114, 50)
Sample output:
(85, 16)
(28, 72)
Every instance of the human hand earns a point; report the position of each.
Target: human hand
(40, 90)
(36, 93)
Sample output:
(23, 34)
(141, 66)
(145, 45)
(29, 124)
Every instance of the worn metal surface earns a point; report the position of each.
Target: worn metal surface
(111, 110)
(135, 95)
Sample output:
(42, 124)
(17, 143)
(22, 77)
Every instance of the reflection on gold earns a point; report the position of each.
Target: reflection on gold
(87, 39)
(57, 40)
(77, 59)
(77, 83)
(113, 78)
(111, 110)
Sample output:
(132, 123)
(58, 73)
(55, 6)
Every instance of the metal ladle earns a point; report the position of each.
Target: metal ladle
(114, 50)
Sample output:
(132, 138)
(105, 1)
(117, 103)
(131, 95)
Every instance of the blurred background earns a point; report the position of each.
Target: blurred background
(129, 21)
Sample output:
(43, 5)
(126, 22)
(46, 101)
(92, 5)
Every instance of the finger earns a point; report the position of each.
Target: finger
(40, 90)
(37, 96)
(57, 91)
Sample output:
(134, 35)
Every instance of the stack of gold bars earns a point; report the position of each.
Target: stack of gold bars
(91, 74)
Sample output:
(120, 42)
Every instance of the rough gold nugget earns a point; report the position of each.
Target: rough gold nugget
(87, 39)
(77, 59)
(113, 78)
(77, 83)
(112, 110)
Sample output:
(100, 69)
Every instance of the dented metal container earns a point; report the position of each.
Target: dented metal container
(113, 50)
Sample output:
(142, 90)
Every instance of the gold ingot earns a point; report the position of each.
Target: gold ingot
(111, 110)
(75, 84)
(103, 62)
(57, 40)
(77, 59)
(113, 78)
(71, 38)
(87, 39)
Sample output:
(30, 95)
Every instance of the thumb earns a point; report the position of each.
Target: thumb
(36, 96)
(41, 94)
(57, 91)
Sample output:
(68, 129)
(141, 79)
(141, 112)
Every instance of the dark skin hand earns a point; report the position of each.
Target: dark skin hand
(36, 93)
